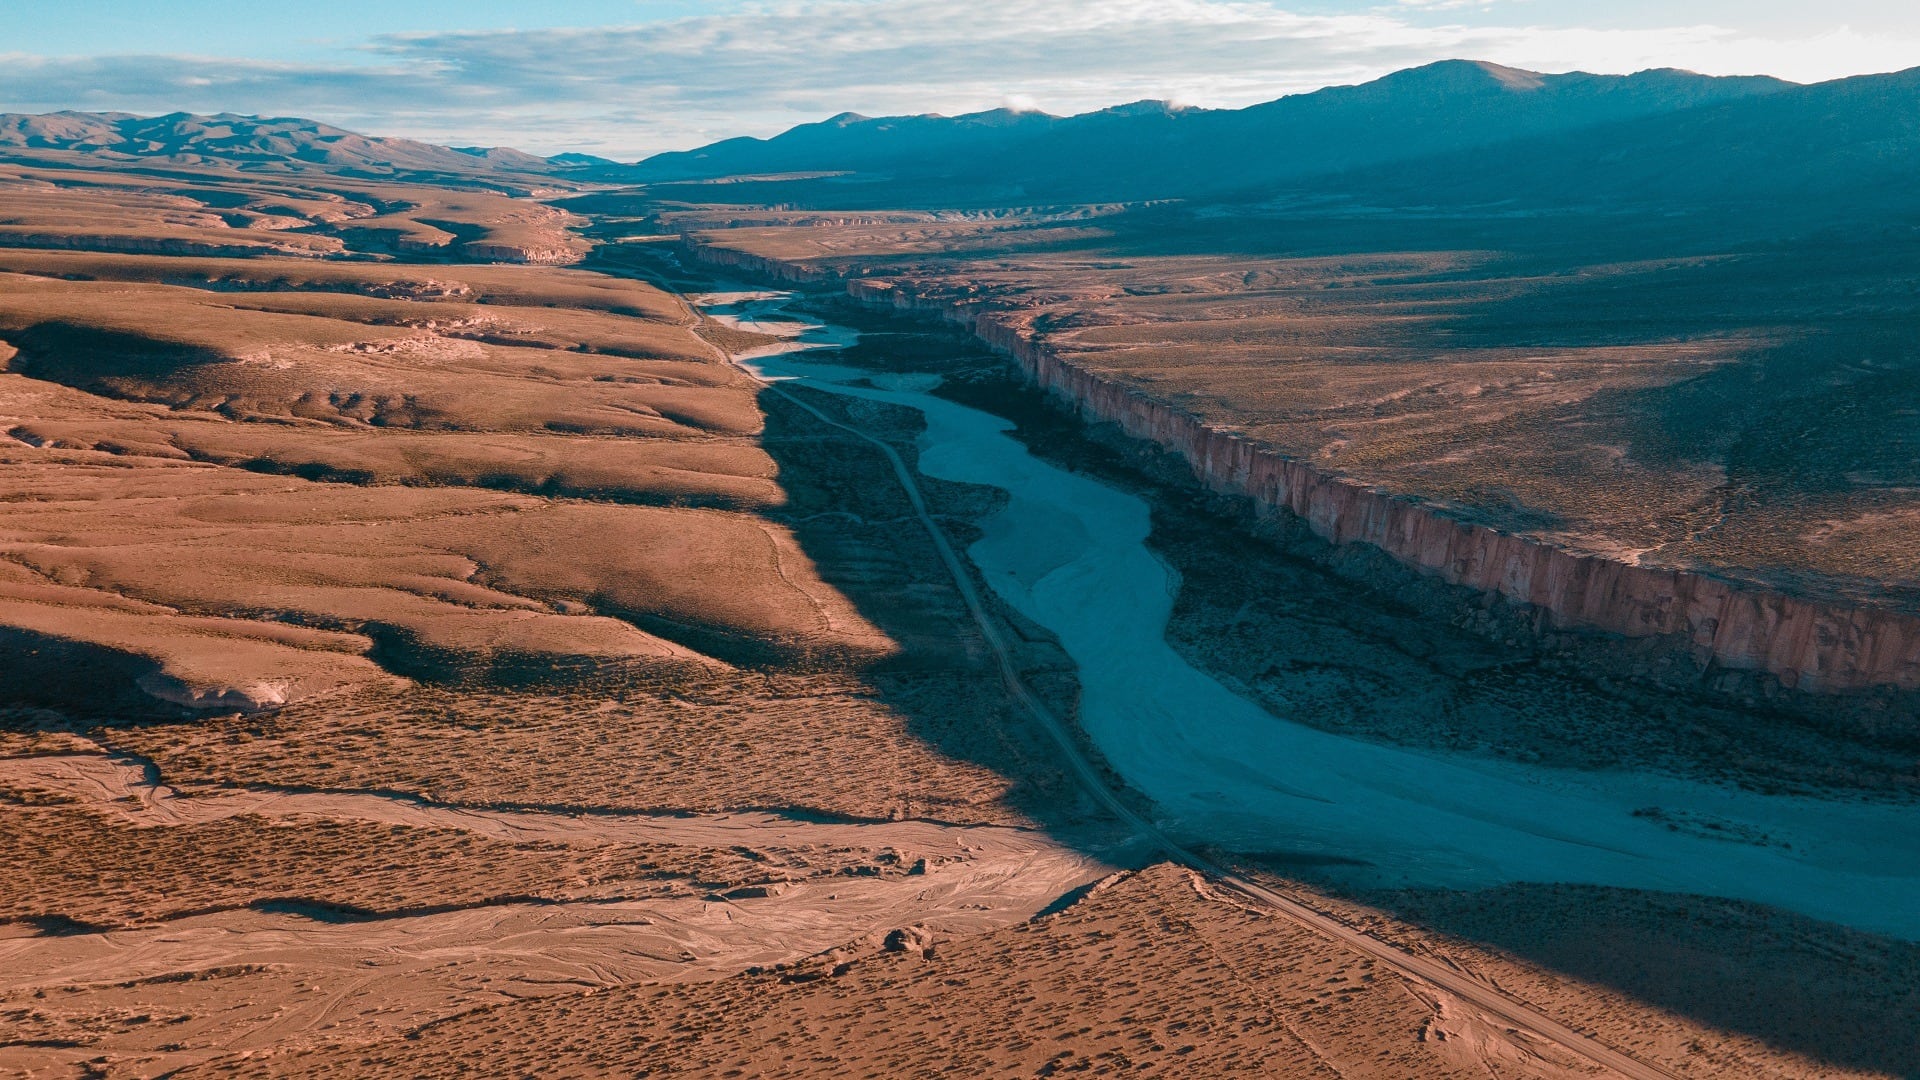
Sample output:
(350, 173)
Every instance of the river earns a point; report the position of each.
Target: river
(1070, 553)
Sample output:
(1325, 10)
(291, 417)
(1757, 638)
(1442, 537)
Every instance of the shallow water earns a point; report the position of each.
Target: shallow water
(1069, 553)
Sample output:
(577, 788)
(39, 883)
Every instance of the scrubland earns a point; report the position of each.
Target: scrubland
(444, 632)
(418, 665)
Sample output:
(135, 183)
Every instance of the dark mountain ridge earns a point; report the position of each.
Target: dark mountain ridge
(1849, 148)
(1152, 149)
(850, 142)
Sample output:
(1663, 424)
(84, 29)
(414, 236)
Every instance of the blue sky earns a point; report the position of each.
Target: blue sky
(628, 77)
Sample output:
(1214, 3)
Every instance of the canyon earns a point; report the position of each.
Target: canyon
(1802, 642)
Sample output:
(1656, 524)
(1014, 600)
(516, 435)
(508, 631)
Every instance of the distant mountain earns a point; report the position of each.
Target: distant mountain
(253, 143)
(1850, 147)
(581, 161)
(853, 143)
(1150, 149)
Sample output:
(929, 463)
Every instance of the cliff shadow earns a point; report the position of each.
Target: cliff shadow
(1842, 997)
(78, 680)
(103, 361)
(851, 518)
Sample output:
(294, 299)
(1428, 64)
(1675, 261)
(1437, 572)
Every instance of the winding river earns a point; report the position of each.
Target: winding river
(1069, 553)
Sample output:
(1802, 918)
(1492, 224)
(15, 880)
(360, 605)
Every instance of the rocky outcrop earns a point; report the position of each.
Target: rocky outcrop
(771, 268)
(250, 697)
(1804, 643)
(487, 251)
(254, 243)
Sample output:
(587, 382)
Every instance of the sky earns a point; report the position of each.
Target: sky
(625, 78)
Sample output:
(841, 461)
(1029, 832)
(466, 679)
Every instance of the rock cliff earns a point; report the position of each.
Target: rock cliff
(247, 243)
(550, 255)
(1808, 644)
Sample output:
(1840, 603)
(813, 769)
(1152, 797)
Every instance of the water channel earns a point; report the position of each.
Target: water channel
(1069, 553)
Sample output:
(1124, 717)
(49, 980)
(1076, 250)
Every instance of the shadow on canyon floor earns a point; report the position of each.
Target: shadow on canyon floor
(1832, 994)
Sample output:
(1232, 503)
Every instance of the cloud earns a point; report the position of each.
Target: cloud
(626, 90)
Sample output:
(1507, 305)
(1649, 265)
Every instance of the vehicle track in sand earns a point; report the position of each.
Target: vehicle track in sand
(1493, 1001)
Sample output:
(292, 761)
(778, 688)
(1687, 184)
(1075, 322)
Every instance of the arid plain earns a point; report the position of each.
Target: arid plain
(428, 652)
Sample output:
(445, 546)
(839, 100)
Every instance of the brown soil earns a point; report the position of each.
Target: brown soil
(152, 928)
(1152, 973)
(824, 743)
(187, 463)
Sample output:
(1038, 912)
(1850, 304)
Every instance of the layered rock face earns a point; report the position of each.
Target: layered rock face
(1804, 643)
(555, 255)
(253, 242)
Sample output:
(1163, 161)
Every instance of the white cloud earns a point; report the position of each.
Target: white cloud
(627, 90)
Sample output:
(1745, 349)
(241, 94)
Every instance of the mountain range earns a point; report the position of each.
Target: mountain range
(1450, 133)
(1154, 149)
(1850, 145)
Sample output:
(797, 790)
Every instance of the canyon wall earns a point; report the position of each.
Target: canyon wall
(1804, 643)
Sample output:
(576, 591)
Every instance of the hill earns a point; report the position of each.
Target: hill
(251, 143)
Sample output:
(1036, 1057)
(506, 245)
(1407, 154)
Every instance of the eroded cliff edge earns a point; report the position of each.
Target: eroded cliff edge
(1807, 644)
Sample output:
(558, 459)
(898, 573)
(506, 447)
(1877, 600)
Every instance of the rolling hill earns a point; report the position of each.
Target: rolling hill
(251, 143)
